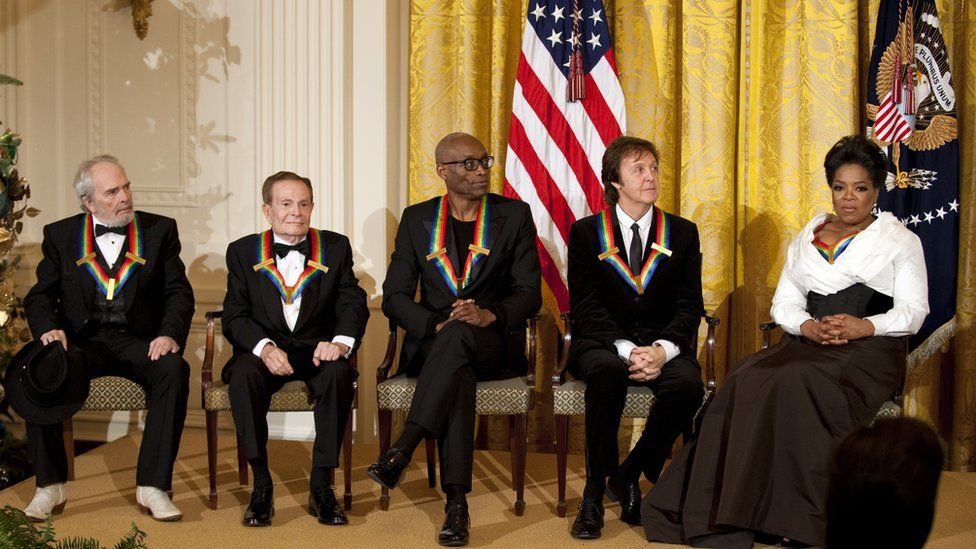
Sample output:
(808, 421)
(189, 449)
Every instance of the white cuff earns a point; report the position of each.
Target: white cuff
(670, 349)
(347, 341)
(624, 348)
(260, 346)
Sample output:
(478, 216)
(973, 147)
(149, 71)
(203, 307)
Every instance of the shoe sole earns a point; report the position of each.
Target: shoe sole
(587, 536)
(325, 522)
(146, 511)
(56, 510)
(258, 524)
(451, 543)
(377, 480)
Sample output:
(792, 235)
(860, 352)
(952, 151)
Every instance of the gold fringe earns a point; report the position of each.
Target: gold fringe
(939, 337)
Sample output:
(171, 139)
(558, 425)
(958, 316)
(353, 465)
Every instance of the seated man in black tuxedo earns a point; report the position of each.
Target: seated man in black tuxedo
(636, 299)
(293, 311)
(96, 266)
(475, 257)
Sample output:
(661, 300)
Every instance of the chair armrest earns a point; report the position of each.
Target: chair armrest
(559, 376)
(712, 322)
(383, 370)
(766, 328)
(531, 335)
(206, 381)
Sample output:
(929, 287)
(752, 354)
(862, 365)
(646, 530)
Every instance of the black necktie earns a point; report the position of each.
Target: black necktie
(281, 250)
(102, 229)
(636, 250)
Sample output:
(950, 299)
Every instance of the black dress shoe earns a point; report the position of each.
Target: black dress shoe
(322, 504)
(589, 521)
(629, 495)
(260, 509)
(388, 469)
(454, 533)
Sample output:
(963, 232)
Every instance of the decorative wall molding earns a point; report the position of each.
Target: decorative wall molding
(151, 194)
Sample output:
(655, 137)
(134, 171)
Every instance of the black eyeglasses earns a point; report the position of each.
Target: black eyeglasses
(471, 164)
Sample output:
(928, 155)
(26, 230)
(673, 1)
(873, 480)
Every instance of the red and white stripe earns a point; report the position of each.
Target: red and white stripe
(556, 147)
(890, 125)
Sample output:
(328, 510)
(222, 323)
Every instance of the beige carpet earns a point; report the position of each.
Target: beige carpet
(102, 504)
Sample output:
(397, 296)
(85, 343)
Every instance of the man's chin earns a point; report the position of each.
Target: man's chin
(121, 220)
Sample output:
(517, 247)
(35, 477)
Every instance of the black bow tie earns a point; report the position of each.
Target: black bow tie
(281, 250)
(102, 229)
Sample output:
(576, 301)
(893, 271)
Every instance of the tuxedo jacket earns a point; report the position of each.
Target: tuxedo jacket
(158, 296)
(606, 308)
(332, 304)
(508, 281)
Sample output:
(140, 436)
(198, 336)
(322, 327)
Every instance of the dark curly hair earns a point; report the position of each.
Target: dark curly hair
(857, 149)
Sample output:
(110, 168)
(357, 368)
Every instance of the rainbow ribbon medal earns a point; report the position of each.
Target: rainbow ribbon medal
(831, 253)
(476, 250)
(109, 286)
(610, 253)
(314, 265)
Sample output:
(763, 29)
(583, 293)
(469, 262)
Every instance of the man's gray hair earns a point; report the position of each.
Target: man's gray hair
(84, 187)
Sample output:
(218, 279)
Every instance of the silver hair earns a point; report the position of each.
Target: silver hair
(84, 187)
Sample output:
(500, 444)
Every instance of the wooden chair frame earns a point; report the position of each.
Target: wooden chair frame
(207, 383)
(561, 375)
(518, 423)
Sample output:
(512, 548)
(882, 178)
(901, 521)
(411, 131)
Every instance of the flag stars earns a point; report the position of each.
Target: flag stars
(953, 206)
(557, 14)
(940, 213)
(915, 220)
(595, 17)
(575, 40)
(577, 15)
(554, 38)
(594, 41)
(539, 12)
(929, 217)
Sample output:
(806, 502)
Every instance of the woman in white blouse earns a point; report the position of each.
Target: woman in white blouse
(853, 282)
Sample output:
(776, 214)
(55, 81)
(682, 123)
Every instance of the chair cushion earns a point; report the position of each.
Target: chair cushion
(567, 400)
(115, 393)
(503, 397)
(292, 397)
(888, 409)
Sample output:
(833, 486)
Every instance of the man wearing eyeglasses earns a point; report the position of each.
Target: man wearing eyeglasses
(475, 257)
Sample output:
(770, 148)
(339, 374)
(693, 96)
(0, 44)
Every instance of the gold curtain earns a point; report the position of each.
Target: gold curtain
(743, 99)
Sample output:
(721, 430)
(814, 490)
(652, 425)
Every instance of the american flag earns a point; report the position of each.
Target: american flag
(890, 125)
(567, 107)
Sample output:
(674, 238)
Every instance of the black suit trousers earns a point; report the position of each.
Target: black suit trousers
(166, 380)
(678, 394)
(459, 356)
(330, 384)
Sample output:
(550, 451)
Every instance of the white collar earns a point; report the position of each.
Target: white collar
(644, 222)
(279, 240)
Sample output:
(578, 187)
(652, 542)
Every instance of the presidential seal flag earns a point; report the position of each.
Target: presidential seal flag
(566, 107)
(911, 111)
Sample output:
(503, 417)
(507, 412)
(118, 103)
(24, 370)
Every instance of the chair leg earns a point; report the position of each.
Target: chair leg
(68, 434)
(347, 465)
(212, 455)
(562, 448)
(385, 418)
(518, 471)
(241, 463)
(431, 446)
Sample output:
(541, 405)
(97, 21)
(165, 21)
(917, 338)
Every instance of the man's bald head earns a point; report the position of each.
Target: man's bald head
(447, 147)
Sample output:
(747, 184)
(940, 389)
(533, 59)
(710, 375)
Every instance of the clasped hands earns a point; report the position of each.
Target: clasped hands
(162, 345)
(646, 362)
(838, 329)
(465, 310)
(277, 363)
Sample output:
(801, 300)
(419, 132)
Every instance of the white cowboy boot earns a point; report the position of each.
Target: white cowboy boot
(48, 500)
(155, 502)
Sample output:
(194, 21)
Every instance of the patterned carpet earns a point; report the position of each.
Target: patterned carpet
(102, 503)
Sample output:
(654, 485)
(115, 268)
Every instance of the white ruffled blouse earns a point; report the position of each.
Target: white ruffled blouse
(885, 256)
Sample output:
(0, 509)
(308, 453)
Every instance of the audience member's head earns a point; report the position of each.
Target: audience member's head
(883, 481)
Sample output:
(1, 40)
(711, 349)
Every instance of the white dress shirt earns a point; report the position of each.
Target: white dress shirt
(885, 256)
(110, 244)
(625, 346)
(291, 267)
